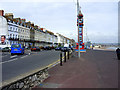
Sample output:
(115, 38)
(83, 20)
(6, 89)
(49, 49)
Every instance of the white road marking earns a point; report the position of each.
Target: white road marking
(13, 56)
(9, 61)
(24, 56)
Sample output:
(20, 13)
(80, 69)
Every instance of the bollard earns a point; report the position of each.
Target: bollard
(68, 54)
(61, 59)
(64, 56)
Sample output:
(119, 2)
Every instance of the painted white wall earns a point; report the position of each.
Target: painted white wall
(3, 26)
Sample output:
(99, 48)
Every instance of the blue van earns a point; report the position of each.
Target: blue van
(17, 49)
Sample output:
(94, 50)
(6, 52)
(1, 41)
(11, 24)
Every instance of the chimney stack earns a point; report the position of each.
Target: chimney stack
(23, 20)
(1, 12)
(32, 24)
(41, 29)
(36, 27)
(9, 15)
(17, 19)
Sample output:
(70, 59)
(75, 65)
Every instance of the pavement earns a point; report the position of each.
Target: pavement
(94, 69)
(18, 66)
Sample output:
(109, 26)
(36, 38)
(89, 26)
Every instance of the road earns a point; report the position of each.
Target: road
(13, 66)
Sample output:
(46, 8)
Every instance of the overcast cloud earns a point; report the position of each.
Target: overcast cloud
(100, 18)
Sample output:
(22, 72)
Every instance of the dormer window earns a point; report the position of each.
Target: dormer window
(11, 21)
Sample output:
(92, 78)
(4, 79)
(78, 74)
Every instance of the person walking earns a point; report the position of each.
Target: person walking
(118, 53)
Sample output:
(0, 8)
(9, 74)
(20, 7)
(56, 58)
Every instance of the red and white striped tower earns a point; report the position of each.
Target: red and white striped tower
(80, 29)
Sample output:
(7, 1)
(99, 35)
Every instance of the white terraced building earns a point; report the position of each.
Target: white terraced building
(12, 32)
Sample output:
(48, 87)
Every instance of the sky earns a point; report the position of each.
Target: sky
(60, 16)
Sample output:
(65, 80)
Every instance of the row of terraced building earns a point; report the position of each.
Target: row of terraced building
(17, 30)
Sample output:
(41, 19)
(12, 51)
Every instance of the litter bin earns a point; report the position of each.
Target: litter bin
(118, 53)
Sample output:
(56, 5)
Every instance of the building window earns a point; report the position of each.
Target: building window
(13, 35)
(16, 29)
(16, 36)
(13, 29)
(10, 42)
(10, 35)
(10, 28)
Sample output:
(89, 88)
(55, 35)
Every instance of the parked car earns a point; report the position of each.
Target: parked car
(58, 48)
(47, 48)
(35, 49)
(17, 49)
(6, 49)
(41, 47)
(26, 47)
(0, 48)
(52, 47)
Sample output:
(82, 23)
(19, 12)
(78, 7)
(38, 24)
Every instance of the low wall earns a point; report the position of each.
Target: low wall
(28, 81)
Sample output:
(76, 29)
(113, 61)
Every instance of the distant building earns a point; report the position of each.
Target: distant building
(88, 44)
(60, 39)
(64, 40)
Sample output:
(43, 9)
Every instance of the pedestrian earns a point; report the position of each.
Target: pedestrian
(118, 53)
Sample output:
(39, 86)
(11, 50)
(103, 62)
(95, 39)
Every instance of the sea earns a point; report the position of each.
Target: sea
(109, 46)
(112, 48)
